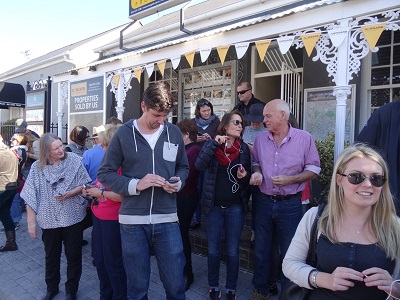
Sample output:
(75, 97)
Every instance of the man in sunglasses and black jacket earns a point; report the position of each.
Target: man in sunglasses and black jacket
(246, 99)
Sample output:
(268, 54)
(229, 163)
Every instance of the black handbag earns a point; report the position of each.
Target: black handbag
(292, 291)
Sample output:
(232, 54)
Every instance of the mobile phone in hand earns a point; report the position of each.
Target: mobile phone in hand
(173, 180)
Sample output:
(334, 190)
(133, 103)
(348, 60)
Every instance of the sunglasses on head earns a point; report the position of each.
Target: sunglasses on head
(242, 92)
(204, 102)
(356, 178)
(236, 122)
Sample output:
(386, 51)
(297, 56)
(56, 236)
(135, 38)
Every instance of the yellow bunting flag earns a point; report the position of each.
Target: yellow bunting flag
(372, 33)
(161, 66)
(309, 41)
(138, 73)
(262, 47)
(116, 80)
(222, 50)
(190, 57)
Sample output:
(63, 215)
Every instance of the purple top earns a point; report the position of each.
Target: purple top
(297, 153)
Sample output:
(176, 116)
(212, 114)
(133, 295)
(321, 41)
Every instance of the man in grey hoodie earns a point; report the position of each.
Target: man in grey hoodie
(150, 153)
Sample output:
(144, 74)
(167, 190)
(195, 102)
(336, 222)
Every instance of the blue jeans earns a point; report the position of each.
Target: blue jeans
(15, 209)
(282, 216)
(107, 255)
(231, 219)
(164, 240)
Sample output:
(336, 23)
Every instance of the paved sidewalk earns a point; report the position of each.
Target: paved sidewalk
(22, 273)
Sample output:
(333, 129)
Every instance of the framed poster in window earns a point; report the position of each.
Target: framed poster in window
(320, 112)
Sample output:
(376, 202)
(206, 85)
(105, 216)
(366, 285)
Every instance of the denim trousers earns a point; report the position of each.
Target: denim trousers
(165, 242)
(232, 220)
(6, 199)
(53, 239)
(107, 255)
(282, 216)
(15, 209)
(186, 205)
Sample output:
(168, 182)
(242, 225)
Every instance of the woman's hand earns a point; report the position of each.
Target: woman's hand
(340, 280)
(241, 172)
(32, 230)
(221, 139)
(382, 280)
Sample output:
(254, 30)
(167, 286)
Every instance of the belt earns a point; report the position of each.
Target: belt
(282, 197)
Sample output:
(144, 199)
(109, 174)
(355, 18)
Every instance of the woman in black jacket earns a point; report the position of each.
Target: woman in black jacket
(225, 162)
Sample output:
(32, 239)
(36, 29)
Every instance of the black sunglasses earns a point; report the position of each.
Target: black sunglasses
(242, 92)
(237, 122)
(203, 102)
(356, 178)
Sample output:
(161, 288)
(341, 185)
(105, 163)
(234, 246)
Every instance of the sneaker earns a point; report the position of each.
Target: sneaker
(259, 296)
(214, 294)
(231, 295)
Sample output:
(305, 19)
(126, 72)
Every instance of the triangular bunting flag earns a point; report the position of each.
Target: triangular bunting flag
(116, 80)
(338, 35)
(372, 33)
(222, 50)
(127, 75)
(161, 66)
(284, 43)
(204, 53)
(309, 41)
(149, 69)
(175, 61)
(241, 49)
(262, 47)
(190, 57)
(138, 73)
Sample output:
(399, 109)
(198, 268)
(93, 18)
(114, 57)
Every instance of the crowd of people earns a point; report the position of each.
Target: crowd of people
(146, 183)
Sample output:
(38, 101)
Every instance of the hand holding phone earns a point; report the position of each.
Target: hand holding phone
(173, 180)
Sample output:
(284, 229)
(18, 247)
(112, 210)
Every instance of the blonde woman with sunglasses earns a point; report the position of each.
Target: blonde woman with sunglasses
(358, 246)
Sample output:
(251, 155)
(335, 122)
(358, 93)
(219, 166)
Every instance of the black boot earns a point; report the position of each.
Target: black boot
(10, 245)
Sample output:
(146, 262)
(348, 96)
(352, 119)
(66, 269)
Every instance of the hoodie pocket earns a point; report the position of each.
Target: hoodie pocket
(170, 151)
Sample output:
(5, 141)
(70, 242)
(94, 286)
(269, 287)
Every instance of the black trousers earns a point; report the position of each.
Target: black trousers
(6, 199)
(53, 239)
(186, 205)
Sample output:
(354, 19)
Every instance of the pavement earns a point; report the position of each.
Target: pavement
(22, 273)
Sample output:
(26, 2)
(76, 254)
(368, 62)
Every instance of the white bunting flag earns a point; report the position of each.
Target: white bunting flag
(285, 42)
(241, 49)
(175, 61)
(149, 69)
(204, 54)
(338, 35)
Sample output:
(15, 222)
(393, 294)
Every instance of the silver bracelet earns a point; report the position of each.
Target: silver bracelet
(314, 279)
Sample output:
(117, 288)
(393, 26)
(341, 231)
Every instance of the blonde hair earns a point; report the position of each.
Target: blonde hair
(106, 135)
(45, 147)
(383, 220)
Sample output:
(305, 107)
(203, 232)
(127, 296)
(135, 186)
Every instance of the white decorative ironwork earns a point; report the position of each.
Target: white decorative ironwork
(64, 94)
(120, 84)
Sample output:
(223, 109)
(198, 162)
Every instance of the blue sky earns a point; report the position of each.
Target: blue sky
(42, 26)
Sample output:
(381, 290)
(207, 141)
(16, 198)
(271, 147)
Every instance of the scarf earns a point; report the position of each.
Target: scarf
(233, 152)
(200, 122)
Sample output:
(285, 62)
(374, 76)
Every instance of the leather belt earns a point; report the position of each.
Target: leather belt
(284, 197)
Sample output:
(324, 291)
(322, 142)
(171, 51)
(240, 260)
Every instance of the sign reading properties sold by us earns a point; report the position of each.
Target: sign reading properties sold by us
(86, 95)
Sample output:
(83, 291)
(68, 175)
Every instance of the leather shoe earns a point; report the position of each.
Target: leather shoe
(71, 296)
(50, 295)
(189, 279)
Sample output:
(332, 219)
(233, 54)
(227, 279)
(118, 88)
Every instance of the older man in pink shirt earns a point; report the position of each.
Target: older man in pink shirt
(284, 159)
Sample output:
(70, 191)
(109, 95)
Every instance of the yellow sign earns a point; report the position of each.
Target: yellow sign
(138, 72)
(262, 47)
(140, 3)
(309, 41)
(372, 33)
(161, 66)
(78, 89)
(222, 50)
(190, 57)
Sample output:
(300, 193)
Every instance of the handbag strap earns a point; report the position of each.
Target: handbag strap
(312, 255)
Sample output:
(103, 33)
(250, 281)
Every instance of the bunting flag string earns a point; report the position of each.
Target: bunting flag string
(262, 47)
(309, 41)
(161, 66)
(138, 73)
(372, 33)
(149, 69)
(222, 51)
(190, 57)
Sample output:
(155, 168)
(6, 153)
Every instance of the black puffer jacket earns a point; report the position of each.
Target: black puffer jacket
(207, 163)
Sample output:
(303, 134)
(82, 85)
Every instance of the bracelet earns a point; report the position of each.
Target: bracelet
(102, 191)
(314, 279)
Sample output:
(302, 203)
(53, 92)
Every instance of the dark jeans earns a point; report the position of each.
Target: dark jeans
(282, 216)
(107, 254)
(232, 220)
(53, 239)
(6, 199)
(186, 206)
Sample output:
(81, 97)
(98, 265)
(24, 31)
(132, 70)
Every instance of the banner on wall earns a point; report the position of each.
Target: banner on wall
(87, 95)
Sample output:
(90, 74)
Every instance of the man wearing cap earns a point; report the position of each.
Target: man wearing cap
(92, 158)
(246, 99)
(21, 127)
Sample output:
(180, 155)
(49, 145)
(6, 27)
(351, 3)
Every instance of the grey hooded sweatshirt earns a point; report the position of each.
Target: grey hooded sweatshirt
(130, 151)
